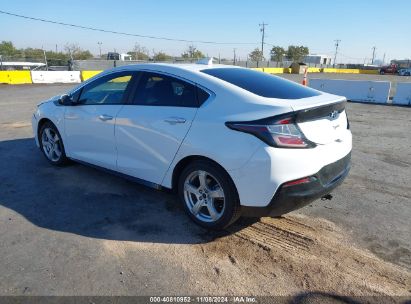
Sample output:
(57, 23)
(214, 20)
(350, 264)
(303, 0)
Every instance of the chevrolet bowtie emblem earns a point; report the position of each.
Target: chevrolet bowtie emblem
(333, 114)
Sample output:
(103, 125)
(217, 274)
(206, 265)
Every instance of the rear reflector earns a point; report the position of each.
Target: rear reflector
(290, 141)
(300, 181)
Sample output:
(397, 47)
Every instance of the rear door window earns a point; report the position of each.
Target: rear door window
(155, 89)
(262, 84)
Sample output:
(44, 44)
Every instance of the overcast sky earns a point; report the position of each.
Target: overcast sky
(360, 25)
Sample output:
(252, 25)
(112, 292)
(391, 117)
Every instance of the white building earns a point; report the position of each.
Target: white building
(318, 59)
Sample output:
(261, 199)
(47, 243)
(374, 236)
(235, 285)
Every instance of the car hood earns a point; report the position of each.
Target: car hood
(52, 99)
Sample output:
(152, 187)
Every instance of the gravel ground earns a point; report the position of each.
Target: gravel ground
(79, 231)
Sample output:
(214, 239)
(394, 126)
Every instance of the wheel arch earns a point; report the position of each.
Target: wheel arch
(184, 162)
(41, 123)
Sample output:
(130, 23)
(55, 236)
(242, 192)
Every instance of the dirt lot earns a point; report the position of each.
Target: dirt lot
(78, 231)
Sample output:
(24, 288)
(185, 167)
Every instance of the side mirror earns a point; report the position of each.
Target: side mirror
(66, 100)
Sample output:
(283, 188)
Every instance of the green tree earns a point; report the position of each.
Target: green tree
(192, 52)
(53, 58)
(277, 53)
(77, 53)
(161, 56)
(32, 54)
(256, 55)
(139, 52)
(297, 53)
(58, 58)
(7, 49)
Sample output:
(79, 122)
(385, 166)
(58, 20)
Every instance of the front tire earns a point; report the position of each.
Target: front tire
(208, 195)
(51, 144)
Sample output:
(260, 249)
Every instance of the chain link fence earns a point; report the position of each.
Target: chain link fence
(55, 64)
(81, 65)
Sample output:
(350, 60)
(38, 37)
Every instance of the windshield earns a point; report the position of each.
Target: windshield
(262, 84)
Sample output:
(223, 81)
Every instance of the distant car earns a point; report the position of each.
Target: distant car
(389, 69)
(405, 72)
(117, 56)
(230, 141)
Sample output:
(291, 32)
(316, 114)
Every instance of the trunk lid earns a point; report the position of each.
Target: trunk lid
(322, 118)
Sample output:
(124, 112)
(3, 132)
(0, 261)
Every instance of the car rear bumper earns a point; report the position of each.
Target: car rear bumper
(289, 198)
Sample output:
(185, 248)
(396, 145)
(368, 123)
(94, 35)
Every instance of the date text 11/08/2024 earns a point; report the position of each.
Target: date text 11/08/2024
(204, 299)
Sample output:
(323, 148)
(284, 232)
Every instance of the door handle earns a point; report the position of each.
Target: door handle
(175, 120)
(105, 117)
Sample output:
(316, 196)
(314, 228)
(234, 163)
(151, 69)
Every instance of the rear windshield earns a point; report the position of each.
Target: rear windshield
(262, 84)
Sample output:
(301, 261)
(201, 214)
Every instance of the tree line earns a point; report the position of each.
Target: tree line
(142, 53)
(277, 53)
(71, 51)
(74, 52)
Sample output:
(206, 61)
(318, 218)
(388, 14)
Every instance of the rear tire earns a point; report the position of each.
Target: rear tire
(208, 195)
(51, 144)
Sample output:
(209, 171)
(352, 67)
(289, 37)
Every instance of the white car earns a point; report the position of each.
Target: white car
(230, 141)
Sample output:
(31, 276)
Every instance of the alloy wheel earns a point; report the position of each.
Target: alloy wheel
(51, 144)
(204, 196)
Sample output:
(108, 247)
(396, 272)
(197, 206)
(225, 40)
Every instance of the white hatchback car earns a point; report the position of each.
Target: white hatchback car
(231, 141)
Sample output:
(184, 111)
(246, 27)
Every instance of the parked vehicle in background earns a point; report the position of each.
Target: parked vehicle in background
(230, 141)
(18, 66)
(389, 69)
(117, 56)
(404, 72)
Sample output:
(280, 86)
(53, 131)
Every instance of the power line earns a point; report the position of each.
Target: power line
(121, 33)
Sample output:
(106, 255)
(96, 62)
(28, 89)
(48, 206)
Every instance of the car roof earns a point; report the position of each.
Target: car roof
(189, 71)
(192, 67)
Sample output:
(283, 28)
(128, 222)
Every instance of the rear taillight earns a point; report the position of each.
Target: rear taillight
(280, 131)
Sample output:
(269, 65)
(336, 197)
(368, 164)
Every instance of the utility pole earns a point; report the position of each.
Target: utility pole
(383, 60)
(45, 60)
(56, 48)
(99, 46)
(262, 30)
(337, 44)
(373, 54)
(234, 55)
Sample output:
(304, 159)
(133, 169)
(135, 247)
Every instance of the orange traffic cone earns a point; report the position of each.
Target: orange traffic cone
(305, 81)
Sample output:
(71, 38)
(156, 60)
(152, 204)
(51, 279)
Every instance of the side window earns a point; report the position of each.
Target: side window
(108, 90)
(160, 90)
(202, 96)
